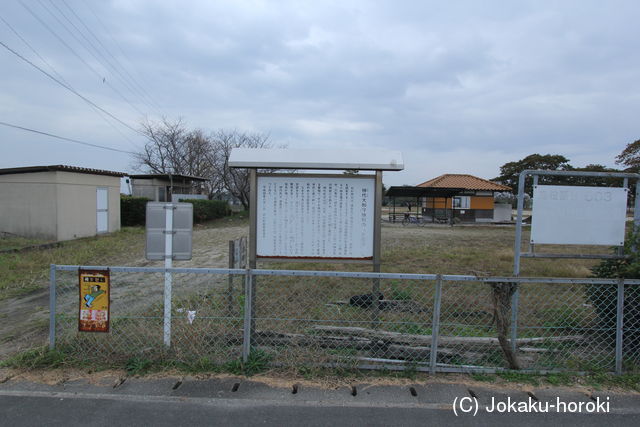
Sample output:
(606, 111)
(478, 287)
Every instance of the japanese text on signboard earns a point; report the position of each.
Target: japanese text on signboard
(315, 217)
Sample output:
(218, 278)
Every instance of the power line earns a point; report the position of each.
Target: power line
(124, 55)
(103, 117)
(99, 75)
(103, 60)
(69, 88)
(77, 141)
(33, 50)
(116, 65)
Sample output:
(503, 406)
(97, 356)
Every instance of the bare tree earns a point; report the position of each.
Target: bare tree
(173, 149)
(235, 181)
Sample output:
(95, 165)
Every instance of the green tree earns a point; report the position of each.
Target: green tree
(510, 172)
(630, 156)
(594, 181)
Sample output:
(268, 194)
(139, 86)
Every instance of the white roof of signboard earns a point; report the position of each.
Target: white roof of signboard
(316, 159)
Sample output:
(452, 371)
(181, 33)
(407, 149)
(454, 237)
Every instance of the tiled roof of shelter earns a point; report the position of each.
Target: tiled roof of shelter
(468, 182)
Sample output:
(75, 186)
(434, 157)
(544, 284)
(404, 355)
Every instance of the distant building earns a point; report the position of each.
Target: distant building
(473, 201)
(167, 187)
(59, 202)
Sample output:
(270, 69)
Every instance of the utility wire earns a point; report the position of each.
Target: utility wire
(70, 88)
(106, 63)
(124, 55)
(100, 76)
(34, 51)
(102, 116)
(77, 141)
(115, 64)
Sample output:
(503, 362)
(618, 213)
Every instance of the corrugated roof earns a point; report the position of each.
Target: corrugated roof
(468, 182)
(62, 168)
(167, 177)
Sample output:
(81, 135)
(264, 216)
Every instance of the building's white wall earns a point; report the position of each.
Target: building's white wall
(76, 211)
(77, 204)
(114, 208)
(55, 205)
(28, 205)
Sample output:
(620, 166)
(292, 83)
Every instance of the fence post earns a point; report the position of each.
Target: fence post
(52, 306)
(619, 325)
(435, 325)
(248, 309)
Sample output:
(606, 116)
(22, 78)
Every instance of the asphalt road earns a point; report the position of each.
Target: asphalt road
(212, 402)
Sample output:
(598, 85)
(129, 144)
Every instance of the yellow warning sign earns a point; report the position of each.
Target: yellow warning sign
(94, 301)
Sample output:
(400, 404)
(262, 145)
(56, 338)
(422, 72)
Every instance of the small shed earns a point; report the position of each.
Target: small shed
(167, 187)
(59, 202)
(420, 194)
(473, 201)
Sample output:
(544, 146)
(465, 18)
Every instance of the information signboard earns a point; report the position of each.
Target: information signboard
(94, 300)
(315, 217)
(578, 215)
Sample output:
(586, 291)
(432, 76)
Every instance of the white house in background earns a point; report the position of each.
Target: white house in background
(59, 202)
(167, 187)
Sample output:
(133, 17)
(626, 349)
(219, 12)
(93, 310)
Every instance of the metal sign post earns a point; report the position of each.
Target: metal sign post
(169, 229)
(168, 279)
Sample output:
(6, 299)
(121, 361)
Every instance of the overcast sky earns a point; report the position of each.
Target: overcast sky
(457, 86)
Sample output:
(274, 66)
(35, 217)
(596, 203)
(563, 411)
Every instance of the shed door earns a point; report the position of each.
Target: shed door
(102, 209)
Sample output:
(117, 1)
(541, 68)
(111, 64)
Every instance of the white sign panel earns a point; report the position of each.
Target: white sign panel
(578, 215)
(315, 217)
(156, 227)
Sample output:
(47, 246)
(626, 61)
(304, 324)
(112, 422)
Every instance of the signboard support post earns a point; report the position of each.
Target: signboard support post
(168, 263)
(52, 306)
(377, 212)
(253, 248)
(516, 263)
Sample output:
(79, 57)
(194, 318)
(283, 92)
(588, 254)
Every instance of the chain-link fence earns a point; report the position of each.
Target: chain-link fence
(369, 320)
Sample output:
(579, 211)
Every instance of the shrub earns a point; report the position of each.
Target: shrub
(604, 297)
(133, 210)
(204, 210)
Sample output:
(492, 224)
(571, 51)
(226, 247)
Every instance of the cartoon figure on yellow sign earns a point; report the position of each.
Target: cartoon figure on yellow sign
(95, 293)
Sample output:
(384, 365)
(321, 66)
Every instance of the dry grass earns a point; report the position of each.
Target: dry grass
(295, 304)
(21, 273)
(469, 250)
